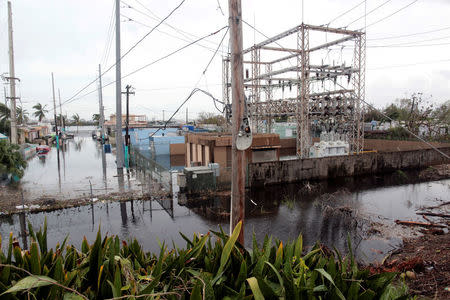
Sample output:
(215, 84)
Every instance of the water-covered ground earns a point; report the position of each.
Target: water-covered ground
(363, 209)
(283, 213)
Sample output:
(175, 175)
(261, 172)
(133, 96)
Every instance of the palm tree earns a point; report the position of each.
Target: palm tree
(96, 118)
(76, 119)
(22, 115)
(40, 111)
(4, 119)
(61, 122)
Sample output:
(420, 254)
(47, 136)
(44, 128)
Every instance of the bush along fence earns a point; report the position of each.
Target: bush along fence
(212, 266)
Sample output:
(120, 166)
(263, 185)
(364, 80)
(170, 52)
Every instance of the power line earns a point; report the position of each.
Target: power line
(217, 49)
(416, 136)
(196, 89)
(126, 53)
(407, 46)
(410, 65)
(421, 41)
(175, 87)
(109, 36)
(395, 12)
(155, 17)
(346, 12)
(151, 63)
(366, 14)
(169, 34)
(408, 35)
(174, 52)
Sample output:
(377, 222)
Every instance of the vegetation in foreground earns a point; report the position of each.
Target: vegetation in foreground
(211, 266)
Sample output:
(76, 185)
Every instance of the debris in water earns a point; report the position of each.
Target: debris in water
(414, 223)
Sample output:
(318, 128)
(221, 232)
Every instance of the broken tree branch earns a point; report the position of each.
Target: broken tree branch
(433, 214)
(413, 223)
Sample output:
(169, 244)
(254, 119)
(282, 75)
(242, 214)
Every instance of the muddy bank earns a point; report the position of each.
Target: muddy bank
(424, 263)
(13, 204)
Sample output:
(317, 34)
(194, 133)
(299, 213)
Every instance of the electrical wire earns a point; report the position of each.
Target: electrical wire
(126, 53)
(155, 17)
(169, 34)
(217, 49)
(407, 45)
(346, 12)
(410, 65)
(151, 63)
(109, 36)
(174, 52)
(415, 42)
(408, 35)
(174, 88)
(276, 42)
(366, 14)
(416, 136)
(395, 12)
(195, 90)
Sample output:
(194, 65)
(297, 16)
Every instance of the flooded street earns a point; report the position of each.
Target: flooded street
(68, 173)
(362, 208)
(284, 212)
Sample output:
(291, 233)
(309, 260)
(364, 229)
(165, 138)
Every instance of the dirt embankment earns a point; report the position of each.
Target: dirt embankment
(11, 200)
(424, 261)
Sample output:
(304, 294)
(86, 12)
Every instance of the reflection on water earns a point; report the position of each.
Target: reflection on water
(282, 212)
(65, 173)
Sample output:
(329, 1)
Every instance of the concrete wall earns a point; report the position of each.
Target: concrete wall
(392, 145)
(288, 146)
(277, 172)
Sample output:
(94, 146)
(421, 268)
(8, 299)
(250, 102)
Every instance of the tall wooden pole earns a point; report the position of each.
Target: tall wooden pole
(237, 92)
(60, 112)
(54, 106)
(119, 140)
(12, 78)
(100, 104)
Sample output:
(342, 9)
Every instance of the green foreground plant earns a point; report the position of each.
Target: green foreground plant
(208, 268)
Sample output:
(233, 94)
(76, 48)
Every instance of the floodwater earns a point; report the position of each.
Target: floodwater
(69, 172)
(283, 213)
(326, 211)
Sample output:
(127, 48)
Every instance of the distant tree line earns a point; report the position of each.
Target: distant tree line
(417, 115)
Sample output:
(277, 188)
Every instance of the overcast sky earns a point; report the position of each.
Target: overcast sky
(70, 37)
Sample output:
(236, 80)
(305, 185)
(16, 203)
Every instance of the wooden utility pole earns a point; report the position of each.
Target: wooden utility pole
(12, 78)
(61, 123)
(54, 110)
(237, 92)
(127, 124)
(119, 140)
(100, 104)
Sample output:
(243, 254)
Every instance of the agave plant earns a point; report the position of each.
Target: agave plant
(207, 268)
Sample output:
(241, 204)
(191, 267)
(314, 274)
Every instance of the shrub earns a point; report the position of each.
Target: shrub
(208, 268)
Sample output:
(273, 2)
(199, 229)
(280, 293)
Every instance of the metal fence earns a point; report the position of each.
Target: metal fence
(145, 164)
